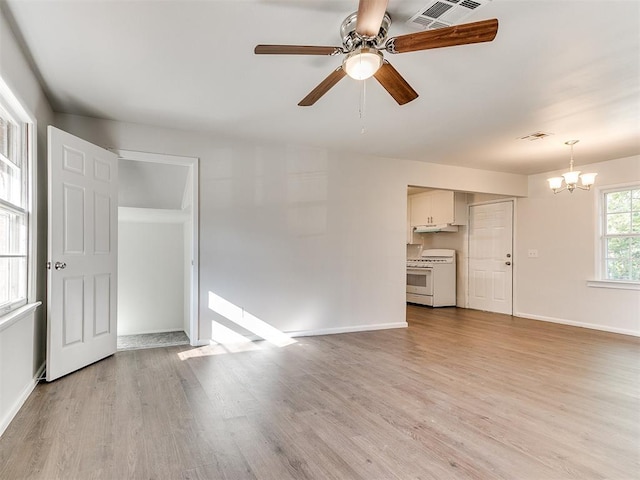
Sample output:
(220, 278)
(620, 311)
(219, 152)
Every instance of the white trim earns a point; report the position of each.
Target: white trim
(592, 326)
(600, 192)
(22, 398)
(32, 202)
(193, 164)
(616, 187)
(313, 333)
(163, 158)
(151, 332)
(514, 263)
(194, 334)
(353, 329)
(31, 132)
(489, 202)
(187, 197)
(598, 232)
(16, 315)
(617, 284)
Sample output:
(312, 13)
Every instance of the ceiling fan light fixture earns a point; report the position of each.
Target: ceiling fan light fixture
(362, 63)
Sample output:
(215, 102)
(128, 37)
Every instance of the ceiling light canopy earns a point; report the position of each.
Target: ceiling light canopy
(362, 63)
(570, 178)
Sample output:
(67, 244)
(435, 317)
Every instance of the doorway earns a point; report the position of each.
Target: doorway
(157, 245)
(491, 257)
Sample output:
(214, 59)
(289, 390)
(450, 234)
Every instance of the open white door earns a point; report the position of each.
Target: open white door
(490, 257)
(82, 254)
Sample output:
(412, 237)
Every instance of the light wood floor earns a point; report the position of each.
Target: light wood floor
(459, 394)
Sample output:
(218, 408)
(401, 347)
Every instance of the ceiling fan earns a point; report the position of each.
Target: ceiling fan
(364, 37)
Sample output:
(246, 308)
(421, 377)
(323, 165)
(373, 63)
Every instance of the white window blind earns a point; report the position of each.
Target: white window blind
(621, 234)
(13, 208)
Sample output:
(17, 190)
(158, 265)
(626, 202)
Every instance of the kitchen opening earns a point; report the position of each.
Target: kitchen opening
(438, 247)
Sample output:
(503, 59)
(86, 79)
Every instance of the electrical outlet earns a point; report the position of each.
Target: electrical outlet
(532, 253)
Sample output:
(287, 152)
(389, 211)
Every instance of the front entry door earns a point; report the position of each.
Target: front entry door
(491, 257)
(82, 253)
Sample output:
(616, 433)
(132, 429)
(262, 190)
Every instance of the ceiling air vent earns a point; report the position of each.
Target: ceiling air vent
(444, 13)
(469, 4)
(535, 136)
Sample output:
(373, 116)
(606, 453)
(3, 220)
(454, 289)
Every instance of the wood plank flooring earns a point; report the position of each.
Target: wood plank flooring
(460, 394)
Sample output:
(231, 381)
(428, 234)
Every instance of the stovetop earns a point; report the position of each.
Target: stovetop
(432, 257)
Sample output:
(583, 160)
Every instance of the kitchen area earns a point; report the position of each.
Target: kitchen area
(437, 245)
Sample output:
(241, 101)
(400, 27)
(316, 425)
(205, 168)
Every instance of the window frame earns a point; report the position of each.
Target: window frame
(27, 125)
(601, 240)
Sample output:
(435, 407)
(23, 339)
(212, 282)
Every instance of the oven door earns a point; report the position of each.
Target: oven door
(420, 281)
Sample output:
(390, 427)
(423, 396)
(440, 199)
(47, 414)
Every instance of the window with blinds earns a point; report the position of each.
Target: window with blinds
(13, 209)
(621, 239)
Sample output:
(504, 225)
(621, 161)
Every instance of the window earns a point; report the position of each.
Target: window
(13, 208)
(621, 239)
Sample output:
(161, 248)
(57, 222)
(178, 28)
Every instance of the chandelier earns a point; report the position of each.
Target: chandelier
(570, 179)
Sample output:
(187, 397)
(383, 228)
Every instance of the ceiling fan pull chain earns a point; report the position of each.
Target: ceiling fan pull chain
(363, 98)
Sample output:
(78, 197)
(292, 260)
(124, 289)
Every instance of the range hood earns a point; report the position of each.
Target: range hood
(445, 227)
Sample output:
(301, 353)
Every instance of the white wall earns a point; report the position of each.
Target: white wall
(18, 367)
(306, 239)
(563, 228)
(22, 343)
(150, 277)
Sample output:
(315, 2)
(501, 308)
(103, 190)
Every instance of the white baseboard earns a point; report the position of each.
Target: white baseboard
(359, 328)
(322, 331)
(593, 326)
(4, 422)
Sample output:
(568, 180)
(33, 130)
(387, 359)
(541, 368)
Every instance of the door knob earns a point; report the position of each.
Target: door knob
(59, 265)
(507, 263)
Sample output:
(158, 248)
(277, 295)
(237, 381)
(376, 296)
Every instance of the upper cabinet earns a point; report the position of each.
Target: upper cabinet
(438, 207)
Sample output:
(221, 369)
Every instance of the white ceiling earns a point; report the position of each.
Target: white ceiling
(569, 68)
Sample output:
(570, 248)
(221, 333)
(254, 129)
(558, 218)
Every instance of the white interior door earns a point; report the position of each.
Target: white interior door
(491, 257)
(82, 253)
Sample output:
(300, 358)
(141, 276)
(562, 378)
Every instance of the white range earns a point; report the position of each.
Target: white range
(431, 278)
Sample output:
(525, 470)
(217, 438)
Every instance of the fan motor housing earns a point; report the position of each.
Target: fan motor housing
(353, 40)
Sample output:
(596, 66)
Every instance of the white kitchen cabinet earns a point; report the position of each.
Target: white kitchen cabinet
(420, 208)
(438, 207)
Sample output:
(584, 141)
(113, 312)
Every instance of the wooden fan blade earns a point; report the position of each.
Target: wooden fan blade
(370, 15)
(295, 50)
(324, 86)
(476, 32)
(395, 84)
